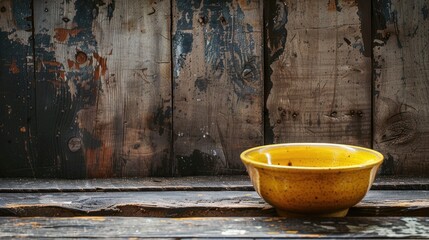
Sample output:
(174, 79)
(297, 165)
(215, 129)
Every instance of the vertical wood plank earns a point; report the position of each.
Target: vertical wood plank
(217, 58)
(103, 85)
(401, 96)
(16, 90)
(318, 72)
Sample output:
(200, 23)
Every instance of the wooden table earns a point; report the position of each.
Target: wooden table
(197, 207)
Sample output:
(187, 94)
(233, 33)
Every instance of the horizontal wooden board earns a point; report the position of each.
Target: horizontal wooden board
(262, 227)
(191, 204)
(195, 183)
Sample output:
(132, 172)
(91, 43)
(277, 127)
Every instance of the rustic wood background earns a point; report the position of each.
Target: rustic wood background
(127, 88)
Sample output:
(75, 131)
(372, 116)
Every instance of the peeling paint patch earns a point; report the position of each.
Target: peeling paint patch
(14, 69)
(229, 48)
(185, 8)
(333, 5)
(63, 34)
(101, 67)
(182, 45)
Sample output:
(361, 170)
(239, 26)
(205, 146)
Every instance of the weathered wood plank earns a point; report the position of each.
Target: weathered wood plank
(191, 204)
(16, 90)
(104, 87)
(217, 58)
(318, 77)
(195, 183)
(119, 227)
(401, 96)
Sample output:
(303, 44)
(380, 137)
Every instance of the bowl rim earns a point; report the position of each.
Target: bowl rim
(378, 158)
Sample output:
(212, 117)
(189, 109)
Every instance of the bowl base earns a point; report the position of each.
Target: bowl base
(284, 213)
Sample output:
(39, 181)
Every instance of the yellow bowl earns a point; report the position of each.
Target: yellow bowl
(312, 179)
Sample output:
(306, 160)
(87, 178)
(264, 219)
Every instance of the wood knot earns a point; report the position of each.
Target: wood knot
(399, 129)
(2, 9)
(247, 73)
(75, 144)
(81, 57)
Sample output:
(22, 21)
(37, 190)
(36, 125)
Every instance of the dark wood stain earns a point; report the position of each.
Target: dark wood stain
(17, 99)
(364, 13)
(275, 35)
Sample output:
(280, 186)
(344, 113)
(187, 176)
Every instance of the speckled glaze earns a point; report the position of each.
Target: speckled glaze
(312, 179)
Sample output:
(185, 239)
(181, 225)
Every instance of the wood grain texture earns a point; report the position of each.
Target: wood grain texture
(104, 87)
(191, 204)
(17, 103)
(218, 228)
(217, 58)
(401, 96)
(318, 72)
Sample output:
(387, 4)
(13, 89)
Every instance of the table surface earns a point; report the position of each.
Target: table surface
(196, 207)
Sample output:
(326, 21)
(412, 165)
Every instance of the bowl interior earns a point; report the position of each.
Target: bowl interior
(317, 156)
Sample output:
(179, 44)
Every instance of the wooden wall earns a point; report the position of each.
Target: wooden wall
(127, 88)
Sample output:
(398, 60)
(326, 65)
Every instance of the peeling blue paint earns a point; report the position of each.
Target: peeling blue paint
(186, 10)
(86, 12)
(182, 45)
(227, 39)
(22, 18)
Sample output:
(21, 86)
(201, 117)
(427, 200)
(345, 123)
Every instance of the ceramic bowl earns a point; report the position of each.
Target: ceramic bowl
(312, 179)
